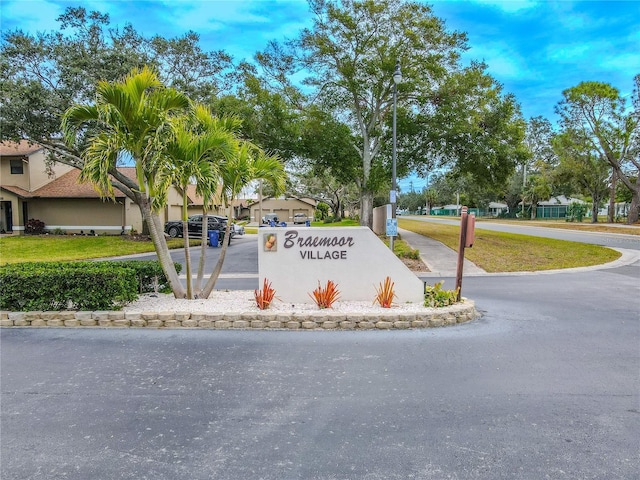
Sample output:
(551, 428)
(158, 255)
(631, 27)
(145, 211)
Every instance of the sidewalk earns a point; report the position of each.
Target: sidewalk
(440, 259)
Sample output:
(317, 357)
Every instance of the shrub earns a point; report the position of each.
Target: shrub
(327, 296)
(34, 227)
(436, 297)
(576, 212)
(78, 285)
(149, 273)
(385, 293)
(62, 286)
(265, 296)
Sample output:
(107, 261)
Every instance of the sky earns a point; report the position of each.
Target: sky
(535, 49)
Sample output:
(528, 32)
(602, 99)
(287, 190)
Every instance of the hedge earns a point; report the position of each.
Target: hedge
(50, 286)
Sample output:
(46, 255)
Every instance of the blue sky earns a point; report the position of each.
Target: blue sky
(536, 49)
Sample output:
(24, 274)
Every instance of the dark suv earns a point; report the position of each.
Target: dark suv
(173, 228)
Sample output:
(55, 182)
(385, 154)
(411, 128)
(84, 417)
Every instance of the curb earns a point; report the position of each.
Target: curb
(261, 320)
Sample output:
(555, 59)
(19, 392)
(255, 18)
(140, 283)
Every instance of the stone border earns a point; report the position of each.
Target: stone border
(262, 320)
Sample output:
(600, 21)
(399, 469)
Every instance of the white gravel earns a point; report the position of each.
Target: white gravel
(243, 301)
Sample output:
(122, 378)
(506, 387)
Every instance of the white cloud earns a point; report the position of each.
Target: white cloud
(569, 53)
(503, 61)
(629, 62)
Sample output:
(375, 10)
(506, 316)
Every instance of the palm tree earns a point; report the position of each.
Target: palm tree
(197, 145)
(250, 163)
(129, 120)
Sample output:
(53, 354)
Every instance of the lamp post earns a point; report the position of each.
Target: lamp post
(397, 78)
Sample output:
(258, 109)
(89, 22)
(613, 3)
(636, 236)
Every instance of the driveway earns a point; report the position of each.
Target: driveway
(544, 385)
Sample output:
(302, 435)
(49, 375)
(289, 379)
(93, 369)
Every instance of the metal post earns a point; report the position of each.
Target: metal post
(393, 164)
(397, 78)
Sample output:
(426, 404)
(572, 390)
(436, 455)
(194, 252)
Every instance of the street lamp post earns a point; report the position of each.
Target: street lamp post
(397, 78)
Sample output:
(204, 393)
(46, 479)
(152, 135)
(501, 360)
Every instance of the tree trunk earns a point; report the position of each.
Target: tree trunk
(156, 233)
(187, 256)
(203, 251)
(594, 210)
(366, 209)
(211, 283)
(635, 204)
(612, 198)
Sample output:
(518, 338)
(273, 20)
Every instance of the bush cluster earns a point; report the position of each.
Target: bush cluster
(435, 296)
(50, 286)
(34, 227)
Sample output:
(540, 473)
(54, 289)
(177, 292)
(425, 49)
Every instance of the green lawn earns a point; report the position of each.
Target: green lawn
(505, 252)
(37, 248)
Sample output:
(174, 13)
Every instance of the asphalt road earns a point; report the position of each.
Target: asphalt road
(615, 240)
(545, 385)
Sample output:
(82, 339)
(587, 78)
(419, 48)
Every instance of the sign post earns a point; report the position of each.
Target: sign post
(467, 237)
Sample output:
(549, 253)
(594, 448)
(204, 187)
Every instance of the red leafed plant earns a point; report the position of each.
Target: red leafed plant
(385, 293)
(326, 297)
(264, 296)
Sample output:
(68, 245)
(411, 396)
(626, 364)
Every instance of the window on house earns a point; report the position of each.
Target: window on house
(16, 167)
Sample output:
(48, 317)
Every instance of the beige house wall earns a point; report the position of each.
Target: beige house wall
(284, 208)
(74, 215)
(8, 178)
(38, 175)
(35, 174)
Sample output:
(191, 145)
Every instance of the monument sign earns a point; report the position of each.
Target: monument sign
(295, 259)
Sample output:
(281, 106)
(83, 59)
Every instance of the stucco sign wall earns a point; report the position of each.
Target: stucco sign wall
(295, 259)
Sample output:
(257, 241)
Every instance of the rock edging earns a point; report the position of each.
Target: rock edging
(263, 319)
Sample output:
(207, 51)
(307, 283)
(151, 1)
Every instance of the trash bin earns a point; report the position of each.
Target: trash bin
(307, 223)
(214, 238)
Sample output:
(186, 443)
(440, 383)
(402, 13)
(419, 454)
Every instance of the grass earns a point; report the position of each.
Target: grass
(401, 248)
(44, 248)
(584, 226)
(505, 252)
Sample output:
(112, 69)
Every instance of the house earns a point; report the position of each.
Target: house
(284, 207)
(497, 208)
(555, 207)
(31, 189)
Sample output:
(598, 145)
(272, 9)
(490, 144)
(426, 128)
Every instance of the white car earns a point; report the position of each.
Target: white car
(300, 218)
(238, 229)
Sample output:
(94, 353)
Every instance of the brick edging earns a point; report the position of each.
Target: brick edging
(262, 319)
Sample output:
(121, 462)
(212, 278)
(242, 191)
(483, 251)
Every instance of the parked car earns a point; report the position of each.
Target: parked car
(300, 218)
(237, 229)
(174, 228)
(270, 217)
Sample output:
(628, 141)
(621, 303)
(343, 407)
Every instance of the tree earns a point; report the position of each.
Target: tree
(431, 197)
(351, 53)
(248, 163)
(537, 189)
(194, 149)
(322, 187)
(45, 74)
(598, 114)
(129, 118)
(411, 201)
(588, 173)
(538, 164)
(465, 124)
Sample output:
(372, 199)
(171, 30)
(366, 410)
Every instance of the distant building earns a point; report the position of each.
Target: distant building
(284, 208)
